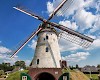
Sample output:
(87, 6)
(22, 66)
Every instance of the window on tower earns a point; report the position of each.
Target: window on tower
(37, 61)
(46, 37)
(47, 49)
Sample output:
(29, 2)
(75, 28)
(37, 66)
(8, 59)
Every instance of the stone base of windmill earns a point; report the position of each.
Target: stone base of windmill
(45, 73)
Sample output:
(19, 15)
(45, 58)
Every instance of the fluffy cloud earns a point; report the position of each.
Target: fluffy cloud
(69, 24)
(78, 10)
(27, 62)
(6, 58)
(77, 57)
(96, 44)
(4, 50)
(33, 44)
(50, 7)
(70, 6)
(10, 60)
(66, 45)
(2, 56)
(96, 24)
(84, 19)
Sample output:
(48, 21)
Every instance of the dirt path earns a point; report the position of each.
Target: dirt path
(2, 78)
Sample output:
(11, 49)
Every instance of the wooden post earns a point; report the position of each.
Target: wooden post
(99, 77)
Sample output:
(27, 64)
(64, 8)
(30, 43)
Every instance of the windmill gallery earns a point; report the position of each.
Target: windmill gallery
(47, 63)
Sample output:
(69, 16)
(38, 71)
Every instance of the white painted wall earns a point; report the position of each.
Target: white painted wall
(51, 58)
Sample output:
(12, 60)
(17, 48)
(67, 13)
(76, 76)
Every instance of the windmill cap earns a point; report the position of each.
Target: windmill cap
(48, 28)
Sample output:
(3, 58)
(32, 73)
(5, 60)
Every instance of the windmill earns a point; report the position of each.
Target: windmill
(47, 53)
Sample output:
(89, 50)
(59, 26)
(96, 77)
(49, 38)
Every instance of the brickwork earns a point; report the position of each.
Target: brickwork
(35, 72)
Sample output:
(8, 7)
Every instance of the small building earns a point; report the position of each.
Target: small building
(88, 69)
(8, 72)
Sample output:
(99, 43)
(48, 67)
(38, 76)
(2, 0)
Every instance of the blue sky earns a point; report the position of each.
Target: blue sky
(82, 16)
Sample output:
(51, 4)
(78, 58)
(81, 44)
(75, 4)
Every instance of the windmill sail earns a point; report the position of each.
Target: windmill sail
(74, 36)
(75, 39)
(57, 9)
(61, 27)
(24, 43)
(65, 8)
(80, 38)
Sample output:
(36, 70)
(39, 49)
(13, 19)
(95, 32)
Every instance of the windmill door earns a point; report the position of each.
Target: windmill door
(64, 76)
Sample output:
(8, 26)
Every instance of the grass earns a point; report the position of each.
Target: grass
(94, 76)
(15, 75)
(76, 74)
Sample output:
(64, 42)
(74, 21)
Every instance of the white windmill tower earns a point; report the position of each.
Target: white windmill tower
(47, 53)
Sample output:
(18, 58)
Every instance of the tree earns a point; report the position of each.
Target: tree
(98, 66)
(1, 72)
(20, 64)
(99, 71)
(77, 66)
(5, 67)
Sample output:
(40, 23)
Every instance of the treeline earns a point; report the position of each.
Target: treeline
(8, 67)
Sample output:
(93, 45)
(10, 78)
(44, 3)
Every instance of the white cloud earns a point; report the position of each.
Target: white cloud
(69, 24)
(2, 56)
(72, 6)
(50, 7)
(94, 4)
(84, 19)
(27, 62)
(76, 57)
(91, 36)
(6, 58)
(10, 60)
(33, 44)
(98, 6)
(4, 50)
(66, 45)
(95, 44)
(96, 24)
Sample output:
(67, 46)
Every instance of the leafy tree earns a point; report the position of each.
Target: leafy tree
(5, 67)
(1, 72)
(20, 64)
(98, 66)
(72, 67)
(99, 71)
(77, 66)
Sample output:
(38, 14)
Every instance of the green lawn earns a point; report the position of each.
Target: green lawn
(15, 75)
(94, 76)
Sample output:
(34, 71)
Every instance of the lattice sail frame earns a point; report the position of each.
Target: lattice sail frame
(75, 39)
